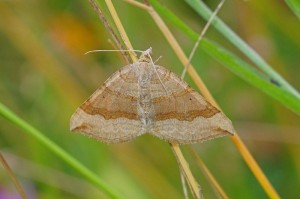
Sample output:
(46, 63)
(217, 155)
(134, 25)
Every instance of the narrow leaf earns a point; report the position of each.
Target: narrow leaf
(30, 130)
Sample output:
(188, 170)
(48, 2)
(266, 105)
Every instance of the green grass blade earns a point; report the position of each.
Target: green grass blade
(234, 63)
(294, 6)
(240, 68)
(205, 12)
(30, 130)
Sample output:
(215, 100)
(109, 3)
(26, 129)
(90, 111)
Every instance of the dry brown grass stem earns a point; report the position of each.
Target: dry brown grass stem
(121, 29)
(216, 186)
(184, 168)
(13, 177)
(110, 30)
(138, 4)
(250, 161)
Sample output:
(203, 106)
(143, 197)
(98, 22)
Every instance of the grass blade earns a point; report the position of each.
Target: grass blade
(294, 6)
(30, 130)
(246, 72)
(205, 12)
(14, 179)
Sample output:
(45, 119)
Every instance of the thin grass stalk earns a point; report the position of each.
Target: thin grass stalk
(250, 161)
(216, 186)
(183, 183)
(184, 168)
(117, 43)
(14, 179)
(121, 29)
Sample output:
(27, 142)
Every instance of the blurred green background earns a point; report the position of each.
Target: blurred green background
(45, 76)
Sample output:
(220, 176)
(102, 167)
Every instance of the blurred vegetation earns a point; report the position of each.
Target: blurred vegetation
(45, 76)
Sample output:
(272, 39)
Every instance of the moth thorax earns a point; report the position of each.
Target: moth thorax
(145, 106)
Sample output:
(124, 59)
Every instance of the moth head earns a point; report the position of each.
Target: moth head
(146, 56)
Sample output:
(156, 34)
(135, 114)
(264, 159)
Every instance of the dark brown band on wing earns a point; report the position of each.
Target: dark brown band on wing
(109, 114)
(167, 97)
(188, 116)
(81, 128)
(98, 107)
(194, 110)
(222, 130)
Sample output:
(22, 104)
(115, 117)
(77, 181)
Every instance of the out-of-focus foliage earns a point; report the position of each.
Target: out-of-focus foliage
(295, 6)
(44, 76)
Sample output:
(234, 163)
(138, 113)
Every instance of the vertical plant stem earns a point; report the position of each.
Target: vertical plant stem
(13, 177)
(195, 188)
(121, 29)
(209, 175)
(109, 29)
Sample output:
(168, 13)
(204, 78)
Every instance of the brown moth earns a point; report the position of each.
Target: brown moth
(146, 98)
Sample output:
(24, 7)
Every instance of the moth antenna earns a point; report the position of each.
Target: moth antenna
(157, 59)
(93, 51)
(214, 14)
(149, 50)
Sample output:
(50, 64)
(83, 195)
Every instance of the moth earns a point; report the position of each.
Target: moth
(143, 97)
